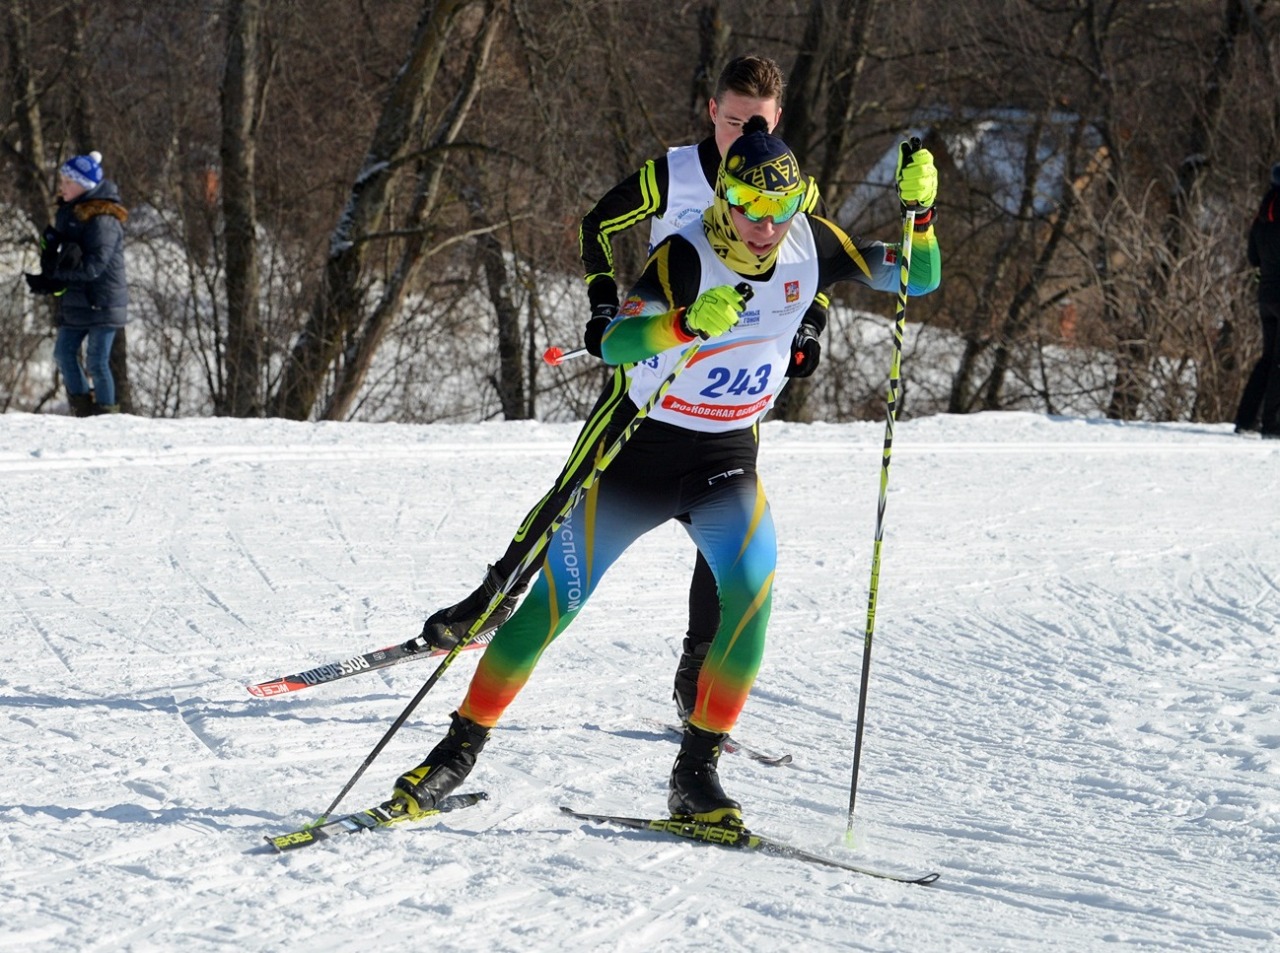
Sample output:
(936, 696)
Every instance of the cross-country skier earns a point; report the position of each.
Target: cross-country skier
(694, 459)
(669, 192)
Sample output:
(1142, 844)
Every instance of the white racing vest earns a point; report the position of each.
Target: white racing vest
(732, 380)
(688, 194)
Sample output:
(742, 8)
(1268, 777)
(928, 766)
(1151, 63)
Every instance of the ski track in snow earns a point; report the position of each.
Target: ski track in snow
(1073, 713)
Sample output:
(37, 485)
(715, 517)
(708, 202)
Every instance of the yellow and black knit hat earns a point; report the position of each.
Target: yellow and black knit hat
(762, 161)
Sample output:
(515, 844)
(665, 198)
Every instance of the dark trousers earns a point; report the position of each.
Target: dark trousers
(1262, 392)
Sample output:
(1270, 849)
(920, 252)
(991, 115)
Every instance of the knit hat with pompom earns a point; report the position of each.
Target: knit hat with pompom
(84, 170)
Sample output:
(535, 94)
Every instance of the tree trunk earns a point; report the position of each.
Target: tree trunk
(80, 88)
(242, 391)
(713, 46)
(27, 153)
(509, 382)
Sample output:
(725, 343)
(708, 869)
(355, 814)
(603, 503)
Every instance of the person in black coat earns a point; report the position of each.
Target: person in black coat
(82, 265)
(1262, 392)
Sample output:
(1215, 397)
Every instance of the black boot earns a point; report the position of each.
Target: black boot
(687, 670)
(445, 628)
(695, 784)
(445, 768)
(81, 405)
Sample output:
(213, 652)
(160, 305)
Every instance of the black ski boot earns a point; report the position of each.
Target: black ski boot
(445, 768)
(445, 628)
(687, 671)
(695, 786)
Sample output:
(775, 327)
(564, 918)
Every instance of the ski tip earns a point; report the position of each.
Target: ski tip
(300, 838)
(267, 689)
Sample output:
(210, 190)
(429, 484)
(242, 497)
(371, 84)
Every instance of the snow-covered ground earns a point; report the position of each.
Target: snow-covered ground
(1074, 713)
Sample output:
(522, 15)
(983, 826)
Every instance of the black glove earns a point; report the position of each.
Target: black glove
(601, 315)
(445, 627)
(41, 285)
(50, 243)
(69, 257)
(806, 351)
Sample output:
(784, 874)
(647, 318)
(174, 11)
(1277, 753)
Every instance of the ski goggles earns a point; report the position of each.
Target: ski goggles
(757, 205)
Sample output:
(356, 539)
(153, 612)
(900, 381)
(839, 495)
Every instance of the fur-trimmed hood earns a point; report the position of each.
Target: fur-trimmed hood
(102, 199)
(87, 210)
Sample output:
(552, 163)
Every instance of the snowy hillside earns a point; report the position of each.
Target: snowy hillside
(1074, 713)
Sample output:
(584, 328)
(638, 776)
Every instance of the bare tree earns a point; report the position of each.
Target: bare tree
(430, 167)
(340, 301)
(243, 96)
(25, 146)
(1184, 200)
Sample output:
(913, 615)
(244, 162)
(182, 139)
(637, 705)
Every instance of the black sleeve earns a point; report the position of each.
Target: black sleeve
(635, 199)
(840, 256)
(815, 316)
(813, 199)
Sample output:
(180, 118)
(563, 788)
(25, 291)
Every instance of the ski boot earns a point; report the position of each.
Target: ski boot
(687, 671)
(446, 767)
(445, 628)
(695, 792)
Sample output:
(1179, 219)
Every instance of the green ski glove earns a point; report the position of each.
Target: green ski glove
(715, 312)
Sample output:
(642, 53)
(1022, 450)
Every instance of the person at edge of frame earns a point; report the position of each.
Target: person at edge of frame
(694, 457)
(1262, 390)
(669, 192)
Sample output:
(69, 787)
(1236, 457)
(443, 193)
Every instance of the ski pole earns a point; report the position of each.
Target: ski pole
(540, 544)
(556, 356)
(894, 395)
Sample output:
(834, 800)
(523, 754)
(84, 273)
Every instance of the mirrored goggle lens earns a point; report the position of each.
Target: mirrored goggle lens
(757, 205)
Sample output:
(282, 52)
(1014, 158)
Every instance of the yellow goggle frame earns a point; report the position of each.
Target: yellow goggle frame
(757, 205)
